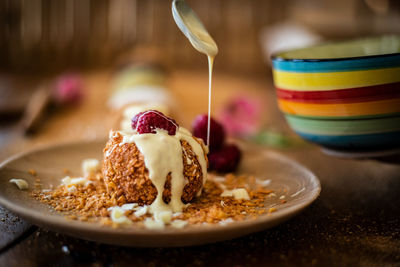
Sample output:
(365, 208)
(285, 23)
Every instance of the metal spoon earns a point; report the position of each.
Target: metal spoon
(192, 27)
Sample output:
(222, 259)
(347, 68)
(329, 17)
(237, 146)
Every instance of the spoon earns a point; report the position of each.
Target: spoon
(192, 27)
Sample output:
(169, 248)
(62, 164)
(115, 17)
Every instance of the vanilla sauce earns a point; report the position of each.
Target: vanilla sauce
(192, 27)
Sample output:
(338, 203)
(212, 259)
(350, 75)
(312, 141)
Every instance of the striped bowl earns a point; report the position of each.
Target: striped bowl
(343, 95)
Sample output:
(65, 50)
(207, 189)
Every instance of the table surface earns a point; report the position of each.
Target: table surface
(355, 221)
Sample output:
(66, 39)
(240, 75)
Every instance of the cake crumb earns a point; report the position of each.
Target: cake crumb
(270, 210)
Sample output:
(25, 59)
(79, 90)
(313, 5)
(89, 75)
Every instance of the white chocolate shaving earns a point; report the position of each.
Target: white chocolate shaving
(153, 224)
(176, 214)
(129, 206)
(118, 216)
(226, 221)
(179, 224)
(20, 183)
(141, 211)
(239, 193)
(163, 216)
(263, 182)
(68, 181)
(126, 207)
(90, 166)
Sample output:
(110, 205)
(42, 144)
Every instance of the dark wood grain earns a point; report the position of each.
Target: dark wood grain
(11, 228)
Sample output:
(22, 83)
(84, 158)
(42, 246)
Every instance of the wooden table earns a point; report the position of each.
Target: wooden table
(355, 221)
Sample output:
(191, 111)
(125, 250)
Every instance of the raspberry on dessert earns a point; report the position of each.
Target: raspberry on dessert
(150, 120)
(217, 132)
(226, 159)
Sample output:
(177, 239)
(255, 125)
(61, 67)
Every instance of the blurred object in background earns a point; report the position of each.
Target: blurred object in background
(36, 108)
(49, 36)
(15, 92)
(277, 139)
(286, 36)
(140, 84)
(68, 89)
(60, 92)
(241, 116)
(7, 107)
(347, 19)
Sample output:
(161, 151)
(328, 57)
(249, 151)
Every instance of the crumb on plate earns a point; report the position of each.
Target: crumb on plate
(87, 199)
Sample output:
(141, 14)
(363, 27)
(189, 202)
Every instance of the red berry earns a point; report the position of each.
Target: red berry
(150, 120)
(68, 89)
(226, 159)
(217, 132)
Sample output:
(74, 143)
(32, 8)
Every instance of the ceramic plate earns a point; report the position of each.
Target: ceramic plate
(300, 186)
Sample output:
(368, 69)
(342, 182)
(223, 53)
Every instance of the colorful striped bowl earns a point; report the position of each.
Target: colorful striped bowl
(343, 95)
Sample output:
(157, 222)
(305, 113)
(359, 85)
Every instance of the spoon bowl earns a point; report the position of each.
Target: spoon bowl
(192, 27)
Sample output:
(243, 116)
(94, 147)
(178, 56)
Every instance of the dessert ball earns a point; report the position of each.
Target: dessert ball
(155, 158)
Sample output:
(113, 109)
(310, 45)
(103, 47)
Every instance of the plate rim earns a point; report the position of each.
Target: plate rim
(60, 224)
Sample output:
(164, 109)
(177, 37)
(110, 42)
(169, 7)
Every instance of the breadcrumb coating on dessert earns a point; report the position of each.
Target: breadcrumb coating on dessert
(124, 172)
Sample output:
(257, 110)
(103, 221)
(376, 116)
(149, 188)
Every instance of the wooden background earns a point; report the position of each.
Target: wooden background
(53, 35)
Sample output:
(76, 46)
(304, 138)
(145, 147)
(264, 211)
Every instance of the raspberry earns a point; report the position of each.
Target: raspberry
(68, 89)
(150, 120)
(217, 132)
(226, 159)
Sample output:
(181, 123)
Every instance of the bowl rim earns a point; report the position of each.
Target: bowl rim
(276, 56)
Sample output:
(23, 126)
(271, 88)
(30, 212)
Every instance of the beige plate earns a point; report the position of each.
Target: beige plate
(288, 178)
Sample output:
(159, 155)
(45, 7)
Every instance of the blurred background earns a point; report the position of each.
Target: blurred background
(49, 36)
